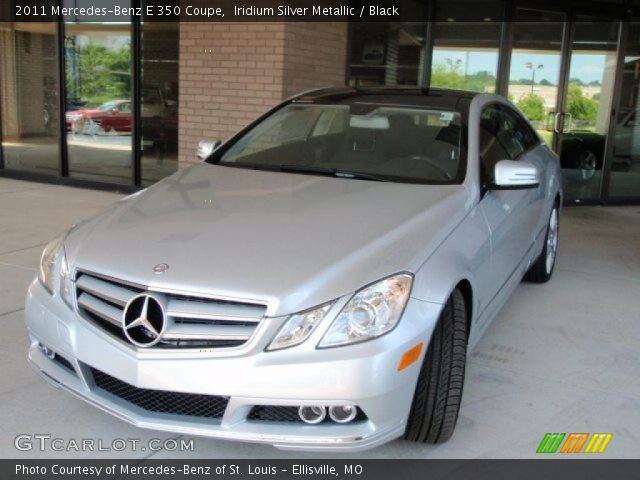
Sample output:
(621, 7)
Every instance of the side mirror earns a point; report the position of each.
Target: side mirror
(515, 175)
(206, 148)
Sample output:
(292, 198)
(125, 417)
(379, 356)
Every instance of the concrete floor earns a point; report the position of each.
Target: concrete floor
(561, 357)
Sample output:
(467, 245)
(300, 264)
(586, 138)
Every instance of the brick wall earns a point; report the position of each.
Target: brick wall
(29, 70)
(8, 87)
(32, 66)
(315, 56)
(230, 73)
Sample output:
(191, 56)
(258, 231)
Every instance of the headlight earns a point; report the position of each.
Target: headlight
(48, 262)
(371, 312)
(52, 256)
(66, 286)
(298, 327)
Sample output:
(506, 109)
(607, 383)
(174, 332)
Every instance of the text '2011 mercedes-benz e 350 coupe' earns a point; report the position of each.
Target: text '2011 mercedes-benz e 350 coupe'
(316, 282)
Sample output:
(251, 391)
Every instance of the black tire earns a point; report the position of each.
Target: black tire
(541, 271)
(436, 401)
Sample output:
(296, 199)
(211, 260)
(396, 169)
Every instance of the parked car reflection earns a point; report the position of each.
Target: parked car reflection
(113, 116)
(584, 150)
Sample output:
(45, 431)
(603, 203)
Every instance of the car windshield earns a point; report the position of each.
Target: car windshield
(362, 141)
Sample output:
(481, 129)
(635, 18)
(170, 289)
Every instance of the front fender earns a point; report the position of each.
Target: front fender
(464, 253)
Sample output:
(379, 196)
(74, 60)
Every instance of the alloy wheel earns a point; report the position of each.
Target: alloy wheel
(552, 240)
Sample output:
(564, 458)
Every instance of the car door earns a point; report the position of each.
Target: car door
(512, 215)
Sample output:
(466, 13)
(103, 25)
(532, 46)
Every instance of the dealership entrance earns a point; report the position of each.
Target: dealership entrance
(570, 104)
(590, 86)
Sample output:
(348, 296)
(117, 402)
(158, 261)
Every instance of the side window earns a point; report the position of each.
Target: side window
(522, 130)
(504, 135)
(491, 148)
(509, 134)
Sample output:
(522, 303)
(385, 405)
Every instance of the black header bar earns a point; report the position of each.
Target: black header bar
(279, 10)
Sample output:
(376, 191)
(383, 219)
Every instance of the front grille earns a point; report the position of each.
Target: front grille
(161, 401)
(192, 321)
(277, 413)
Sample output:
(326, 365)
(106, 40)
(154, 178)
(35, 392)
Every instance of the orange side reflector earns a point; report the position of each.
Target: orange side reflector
(410, 357)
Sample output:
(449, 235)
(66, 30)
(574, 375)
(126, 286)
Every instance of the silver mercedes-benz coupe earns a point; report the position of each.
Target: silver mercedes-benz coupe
(316, 282)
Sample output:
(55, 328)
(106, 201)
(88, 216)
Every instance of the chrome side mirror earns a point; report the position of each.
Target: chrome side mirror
(206, 148)
(515, 175)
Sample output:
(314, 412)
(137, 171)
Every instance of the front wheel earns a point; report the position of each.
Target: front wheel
(542, 269)
(436, 401)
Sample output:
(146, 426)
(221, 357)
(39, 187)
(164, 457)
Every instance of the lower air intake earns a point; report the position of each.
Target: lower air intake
(178, 403)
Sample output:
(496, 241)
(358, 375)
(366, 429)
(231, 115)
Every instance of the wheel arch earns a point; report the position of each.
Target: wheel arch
(464, 286)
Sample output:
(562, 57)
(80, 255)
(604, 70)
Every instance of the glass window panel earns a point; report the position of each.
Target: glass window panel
(534, 73)
(387, 54)
(466, 37)
(159, 100)
(625, 165)
(588, 107)
(30, 103)
(98, 112)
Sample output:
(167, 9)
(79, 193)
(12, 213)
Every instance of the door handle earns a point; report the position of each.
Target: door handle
(557, 123)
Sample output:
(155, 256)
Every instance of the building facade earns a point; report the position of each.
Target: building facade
(124, 104)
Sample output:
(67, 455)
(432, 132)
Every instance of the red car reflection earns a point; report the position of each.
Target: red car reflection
(111, 116)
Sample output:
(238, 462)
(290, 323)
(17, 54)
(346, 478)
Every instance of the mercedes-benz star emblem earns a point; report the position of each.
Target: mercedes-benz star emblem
(161, 268)
(143, 320)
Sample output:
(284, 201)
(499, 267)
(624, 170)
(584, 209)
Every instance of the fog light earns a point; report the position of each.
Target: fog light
(47, 351)
(343, 413)
(312, 415)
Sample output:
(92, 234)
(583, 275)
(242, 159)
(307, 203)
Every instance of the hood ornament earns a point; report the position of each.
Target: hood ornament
(161, 268)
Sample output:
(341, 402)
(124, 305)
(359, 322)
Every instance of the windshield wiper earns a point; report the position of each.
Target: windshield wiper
(360, 175)
(331, 172)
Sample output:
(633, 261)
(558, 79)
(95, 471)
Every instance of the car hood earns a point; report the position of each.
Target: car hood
(291, 241)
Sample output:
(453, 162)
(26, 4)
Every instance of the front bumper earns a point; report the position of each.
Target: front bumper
(364, 375)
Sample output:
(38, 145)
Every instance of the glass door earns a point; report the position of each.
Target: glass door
(581, 125)
(624, 166)
(562, 77)
(535, 66)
